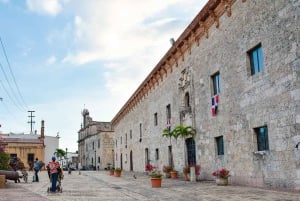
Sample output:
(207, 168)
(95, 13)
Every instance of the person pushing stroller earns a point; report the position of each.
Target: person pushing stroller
(53, 170)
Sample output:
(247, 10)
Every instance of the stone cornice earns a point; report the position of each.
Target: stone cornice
(197, 29)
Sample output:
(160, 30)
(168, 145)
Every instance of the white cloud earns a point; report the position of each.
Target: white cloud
(46, 7)
(51, 60)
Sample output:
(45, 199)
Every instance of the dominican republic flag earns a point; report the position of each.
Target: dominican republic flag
(169, 123)
(214, 104)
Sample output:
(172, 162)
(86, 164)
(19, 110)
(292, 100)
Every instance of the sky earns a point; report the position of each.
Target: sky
(58, 57)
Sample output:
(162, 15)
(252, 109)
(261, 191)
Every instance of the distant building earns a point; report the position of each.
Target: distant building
(27, 147)
(95, 143)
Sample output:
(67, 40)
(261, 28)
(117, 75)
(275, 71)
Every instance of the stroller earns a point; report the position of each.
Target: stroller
(58, 183)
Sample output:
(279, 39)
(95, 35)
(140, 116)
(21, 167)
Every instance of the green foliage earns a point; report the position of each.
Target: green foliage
(60, 153)
(180, 131)
(4, 161)
(118, 169)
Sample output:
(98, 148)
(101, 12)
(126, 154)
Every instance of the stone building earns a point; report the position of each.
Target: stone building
(95, 143)
(233, 74)
(27, 147)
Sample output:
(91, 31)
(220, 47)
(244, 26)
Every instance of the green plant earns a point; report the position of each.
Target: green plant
(4, 161)
(118, 169)
(155, 174)
(4, 158)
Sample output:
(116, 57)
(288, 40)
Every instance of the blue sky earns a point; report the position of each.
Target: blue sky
(66, 55)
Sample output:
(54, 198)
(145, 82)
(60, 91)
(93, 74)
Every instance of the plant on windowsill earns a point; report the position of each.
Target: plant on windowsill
(221, 176)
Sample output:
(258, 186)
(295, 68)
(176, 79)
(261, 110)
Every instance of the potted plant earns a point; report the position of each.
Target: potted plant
(221, 176)
(186, 172)
(174, 174)
(111, 171)
(155, 175)
(117, 172)
(167, 169)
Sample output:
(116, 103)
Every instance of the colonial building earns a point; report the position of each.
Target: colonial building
(233, 74)
(95, 143)
(27, 147)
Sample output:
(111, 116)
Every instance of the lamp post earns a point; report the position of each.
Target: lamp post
(67, 157)
(95, 160)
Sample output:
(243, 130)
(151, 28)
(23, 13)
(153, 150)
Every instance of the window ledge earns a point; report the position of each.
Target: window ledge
(260, 153)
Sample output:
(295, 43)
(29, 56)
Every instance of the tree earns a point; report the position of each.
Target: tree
(179, 131)
(60, 153)
(4, 158)
(184, 132)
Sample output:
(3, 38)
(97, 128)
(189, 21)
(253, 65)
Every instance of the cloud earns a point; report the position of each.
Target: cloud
(45, 7)
(117, 30)
(51, 60)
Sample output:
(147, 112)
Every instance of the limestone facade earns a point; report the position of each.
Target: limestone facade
(219, 42)
(95, 143)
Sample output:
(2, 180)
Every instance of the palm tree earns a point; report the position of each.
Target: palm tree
(168, 133)
(180, 131)
(60, 153)
(184, 131)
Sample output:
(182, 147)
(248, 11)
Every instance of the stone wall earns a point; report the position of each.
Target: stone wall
(270, 98)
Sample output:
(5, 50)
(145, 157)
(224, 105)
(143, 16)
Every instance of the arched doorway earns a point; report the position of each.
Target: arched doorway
(131, 161)
(191, 151)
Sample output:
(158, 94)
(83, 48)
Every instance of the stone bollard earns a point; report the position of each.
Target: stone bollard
(2, 181)
(192, 174)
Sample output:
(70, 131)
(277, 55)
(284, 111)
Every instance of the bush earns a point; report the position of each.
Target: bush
(4, 160)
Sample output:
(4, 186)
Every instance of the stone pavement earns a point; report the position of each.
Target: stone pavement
(98, 185)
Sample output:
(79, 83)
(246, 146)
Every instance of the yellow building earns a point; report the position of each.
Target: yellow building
(27, 147)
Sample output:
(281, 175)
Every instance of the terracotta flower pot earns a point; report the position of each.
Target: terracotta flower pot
(117, 173)
(156, 182)
(174, 175)
(111, 172)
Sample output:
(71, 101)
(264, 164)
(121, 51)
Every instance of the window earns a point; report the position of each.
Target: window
(121, 140)
(30, 157)
(156, 154)
(116, 143)
(93, 145)
(262, 138)
(256, 60)
(216, 83)
(98, 143)
(140, 132)
(168, 110)
(187, 99)
(14, 156)
(155, 119)
(126, 140)
(220, 145)
(170, 155)
(130, 134)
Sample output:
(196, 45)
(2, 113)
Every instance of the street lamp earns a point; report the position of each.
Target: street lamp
(66, 156)
(95, 160)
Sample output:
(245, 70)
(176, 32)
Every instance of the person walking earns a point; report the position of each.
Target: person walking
(36, 167)
(53, 168)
